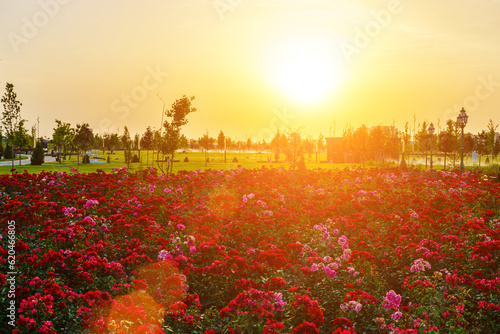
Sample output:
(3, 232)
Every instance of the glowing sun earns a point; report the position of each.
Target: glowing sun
(306, 72)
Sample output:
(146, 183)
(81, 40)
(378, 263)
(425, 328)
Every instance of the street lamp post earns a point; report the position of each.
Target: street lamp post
(431, 132)
(462, 122)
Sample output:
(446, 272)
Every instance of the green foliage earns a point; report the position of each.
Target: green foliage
(63, 136)
(7, 153)
(2, 148)
(11, 116)
(127, 146)
(12, 111)
(38, 155)
(84, 137)
(22, 138)
(221, 140)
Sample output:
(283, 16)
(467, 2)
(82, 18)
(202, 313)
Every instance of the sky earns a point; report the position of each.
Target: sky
(254, 66)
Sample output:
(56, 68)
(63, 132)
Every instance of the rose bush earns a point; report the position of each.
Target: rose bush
(253, 251)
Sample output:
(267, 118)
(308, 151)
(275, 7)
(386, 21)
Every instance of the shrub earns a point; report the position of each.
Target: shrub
(8, 152)
(38, 157)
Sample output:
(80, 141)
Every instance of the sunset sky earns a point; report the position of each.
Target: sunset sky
(253, 65)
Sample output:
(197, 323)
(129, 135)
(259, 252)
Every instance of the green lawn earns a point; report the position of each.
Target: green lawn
(196, 162)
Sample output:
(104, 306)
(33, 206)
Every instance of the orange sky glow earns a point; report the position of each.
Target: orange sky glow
(254, 66)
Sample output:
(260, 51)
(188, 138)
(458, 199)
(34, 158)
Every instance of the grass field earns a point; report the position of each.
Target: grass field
(196, 162)
(216, 161)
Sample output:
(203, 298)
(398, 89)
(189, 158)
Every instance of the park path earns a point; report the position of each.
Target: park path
(25, 161)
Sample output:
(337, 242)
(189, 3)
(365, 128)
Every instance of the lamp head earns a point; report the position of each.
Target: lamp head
(431, 129)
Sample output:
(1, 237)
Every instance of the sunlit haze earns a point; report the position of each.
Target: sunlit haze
(253, 66)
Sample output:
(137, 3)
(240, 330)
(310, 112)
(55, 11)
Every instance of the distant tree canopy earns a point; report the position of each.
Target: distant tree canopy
(63, 136)
(147, 139)
(221, 139)
(84, 137)
(127, 143)
(206, 142)
(294, 150)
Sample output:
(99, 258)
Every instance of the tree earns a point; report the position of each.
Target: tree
(137, 140)
(321, 142)
(21, 137)
(11, 116)
(361, 139)
(309, 145)
(490, 138)
(157, 141)
(406, 136)
(183, 142)
(193, 144)
(84, 139)
(111, 141)
(38, 156)
(33, 136)
(107, 142)
(294, 150)
(221, 139)
(276, 145)
(206, 142)
(221, 143)
(376, 141)
(481, 144)
(423, 137)
(469, 143)
(496, 148)
(347, 143)
(446, 144)
(147, 142)
(98, 142)
(127, 145)
(249, 144)
(229, 142)
(2, 148)
(176, 118)
(8, 152)
(62, 137)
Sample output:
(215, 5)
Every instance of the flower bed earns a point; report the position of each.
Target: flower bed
(252, 251)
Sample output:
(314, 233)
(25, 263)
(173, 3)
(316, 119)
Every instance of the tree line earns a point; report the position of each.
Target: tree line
(290, 145)
(385, 141)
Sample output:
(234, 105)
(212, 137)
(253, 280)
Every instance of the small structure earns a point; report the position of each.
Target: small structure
(334, 152)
